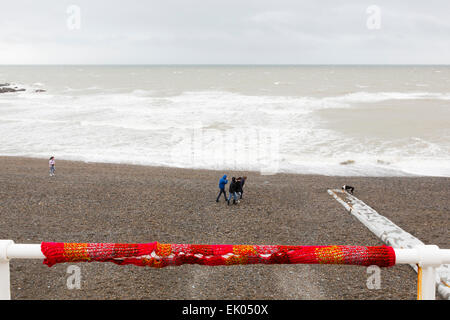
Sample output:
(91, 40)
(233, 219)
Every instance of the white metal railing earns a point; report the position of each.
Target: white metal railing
(427, 257)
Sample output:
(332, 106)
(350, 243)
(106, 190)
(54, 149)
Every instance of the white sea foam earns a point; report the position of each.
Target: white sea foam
(226, 130)
(365, 97)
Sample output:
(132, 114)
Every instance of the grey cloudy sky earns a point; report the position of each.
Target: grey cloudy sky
(224, 32)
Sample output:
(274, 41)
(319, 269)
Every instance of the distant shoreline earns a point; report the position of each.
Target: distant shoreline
(44, 159)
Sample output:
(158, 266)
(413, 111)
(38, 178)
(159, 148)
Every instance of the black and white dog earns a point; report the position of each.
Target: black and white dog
(349, 189)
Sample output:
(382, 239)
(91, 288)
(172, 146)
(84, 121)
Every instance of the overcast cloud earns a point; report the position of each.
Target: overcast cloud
(224, 32)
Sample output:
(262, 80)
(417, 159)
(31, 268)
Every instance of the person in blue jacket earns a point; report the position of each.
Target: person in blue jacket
(222, 182)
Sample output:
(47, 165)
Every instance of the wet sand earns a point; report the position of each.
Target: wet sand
(94, 202)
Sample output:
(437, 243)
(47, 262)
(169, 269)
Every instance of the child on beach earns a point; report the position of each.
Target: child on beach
(222, 182)
(51, 164)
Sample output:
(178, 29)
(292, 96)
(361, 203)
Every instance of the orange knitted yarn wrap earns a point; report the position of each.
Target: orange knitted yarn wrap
(161, 255)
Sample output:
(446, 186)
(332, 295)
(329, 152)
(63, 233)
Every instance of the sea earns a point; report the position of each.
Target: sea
(329, 120)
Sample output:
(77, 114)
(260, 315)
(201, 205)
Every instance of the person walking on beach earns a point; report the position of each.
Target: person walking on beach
(222, 182)
(51, 165)
(239, 187)
(242, 185)
(232, 191)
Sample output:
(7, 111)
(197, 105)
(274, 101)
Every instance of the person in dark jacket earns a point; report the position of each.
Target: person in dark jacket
(222, 182)
(347, 188)
(242, 185)
(232, 190)
(239, 186)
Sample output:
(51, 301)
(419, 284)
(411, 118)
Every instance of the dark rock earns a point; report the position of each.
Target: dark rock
(4, 88)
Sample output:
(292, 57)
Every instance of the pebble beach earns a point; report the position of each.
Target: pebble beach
(101, 202)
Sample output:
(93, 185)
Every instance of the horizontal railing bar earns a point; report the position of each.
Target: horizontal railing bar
(402, 256)
(24, 251)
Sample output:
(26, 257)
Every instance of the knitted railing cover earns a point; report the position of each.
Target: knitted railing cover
(160, 255)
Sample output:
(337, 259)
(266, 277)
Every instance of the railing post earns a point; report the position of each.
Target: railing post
(427, 279)
(429, 259)
(5, 290)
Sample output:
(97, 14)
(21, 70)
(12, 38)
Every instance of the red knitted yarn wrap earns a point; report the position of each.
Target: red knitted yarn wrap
(160, 255)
